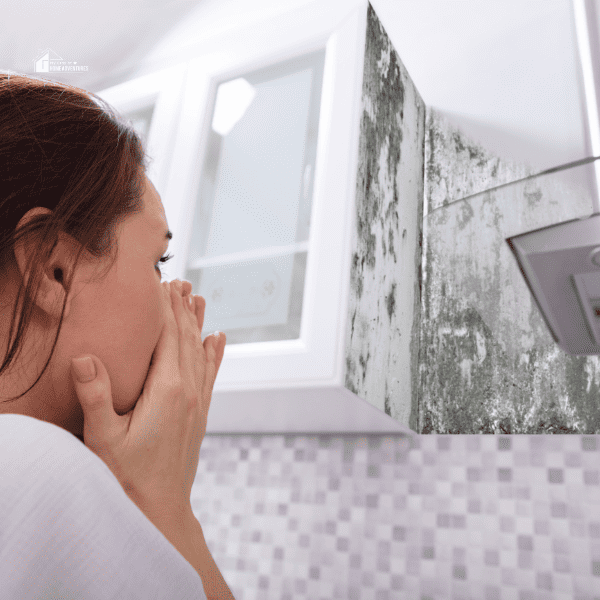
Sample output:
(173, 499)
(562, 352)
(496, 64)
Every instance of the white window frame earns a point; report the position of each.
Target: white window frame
(288, 385)
(313, 357)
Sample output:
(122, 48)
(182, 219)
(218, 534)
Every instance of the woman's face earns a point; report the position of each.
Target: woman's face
(119, 319)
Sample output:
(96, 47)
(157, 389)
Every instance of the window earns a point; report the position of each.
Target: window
(250, 230)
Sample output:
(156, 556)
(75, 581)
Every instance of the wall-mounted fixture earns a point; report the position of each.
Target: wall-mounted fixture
(561, 266)
(561, 262)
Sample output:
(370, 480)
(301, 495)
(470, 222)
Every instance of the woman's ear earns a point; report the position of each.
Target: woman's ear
(51, 294)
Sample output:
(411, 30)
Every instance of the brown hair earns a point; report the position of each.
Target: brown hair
(67, 150)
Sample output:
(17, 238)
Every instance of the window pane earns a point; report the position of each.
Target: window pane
(255, 201)
(253, 301)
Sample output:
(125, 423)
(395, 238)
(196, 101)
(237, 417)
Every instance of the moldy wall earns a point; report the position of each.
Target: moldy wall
(442, 333)
(487, 361)
(382, 328)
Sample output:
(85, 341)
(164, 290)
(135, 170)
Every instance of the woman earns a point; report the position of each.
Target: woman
(82, 236)
(65, 158)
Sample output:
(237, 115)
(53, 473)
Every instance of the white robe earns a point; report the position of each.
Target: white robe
(68, 531)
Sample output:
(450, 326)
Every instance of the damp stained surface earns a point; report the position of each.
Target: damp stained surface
(442, 333)
(487, 361)
(457, 166)
(382, 327)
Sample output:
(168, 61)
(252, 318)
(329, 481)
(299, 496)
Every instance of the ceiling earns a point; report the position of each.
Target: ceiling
(506, 70)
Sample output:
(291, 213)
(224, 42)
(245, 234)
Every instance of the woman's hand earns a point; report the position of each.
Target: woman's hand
(153, 449)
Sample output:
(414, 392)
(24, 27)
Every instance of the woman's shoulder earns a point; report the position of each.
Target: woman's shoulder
(34, 450)
(63, 511)
(24, 430)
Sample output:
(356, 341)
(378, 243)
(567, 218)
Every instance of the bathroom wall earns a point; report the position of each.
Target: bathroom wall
(442, 333)
(487, 361)
(460, 165)
(438, 517)
(382, 327)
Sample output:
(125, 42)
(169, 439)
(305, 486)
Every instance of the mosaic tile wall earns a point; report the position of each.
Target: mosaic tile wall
(481, 517)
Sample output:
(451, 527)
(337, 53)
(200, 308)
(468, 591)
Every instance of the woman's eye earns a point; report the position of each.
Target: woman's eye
(163, 259)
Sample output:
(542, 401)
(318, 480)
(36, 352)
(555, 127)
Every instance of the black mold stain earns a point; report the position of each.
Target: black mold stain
(390, 302)
(495, 169)
(433, 169)
(391, 242)
(466, 214)
(415, 333)
(384, 86)
(528, 395)
(387, 93)
(475, 151)
(356, 278)
(350, 375)
(364, 362)
(576, 379)
(458, 142)
(456, 407)
(451, 406)
(387, 407)
(533, 198)
(477, 168)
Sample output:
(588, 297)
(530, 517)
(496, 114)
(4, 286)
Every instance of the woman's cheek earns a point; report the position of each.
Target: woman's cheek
(153, 326)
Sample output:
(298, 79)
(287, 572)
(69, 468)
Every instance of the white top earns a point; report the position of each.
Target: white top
(69, 531)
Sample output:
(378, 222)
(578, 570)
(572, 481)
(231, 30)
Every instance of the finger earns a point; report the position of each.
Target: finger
(188, 304)
(199, 310)
(186, 288)
(167, 348)
(177, 307)
(187, 344)
(222, 342)
(210, 373)
(95, 396)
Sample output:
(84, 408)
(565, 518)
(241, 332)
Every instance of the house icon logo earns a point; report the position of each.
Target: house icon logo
(50, 62)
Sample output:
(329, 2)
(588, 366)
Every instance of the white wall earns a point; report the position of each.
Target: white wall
(506, 72)
(506, 69)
